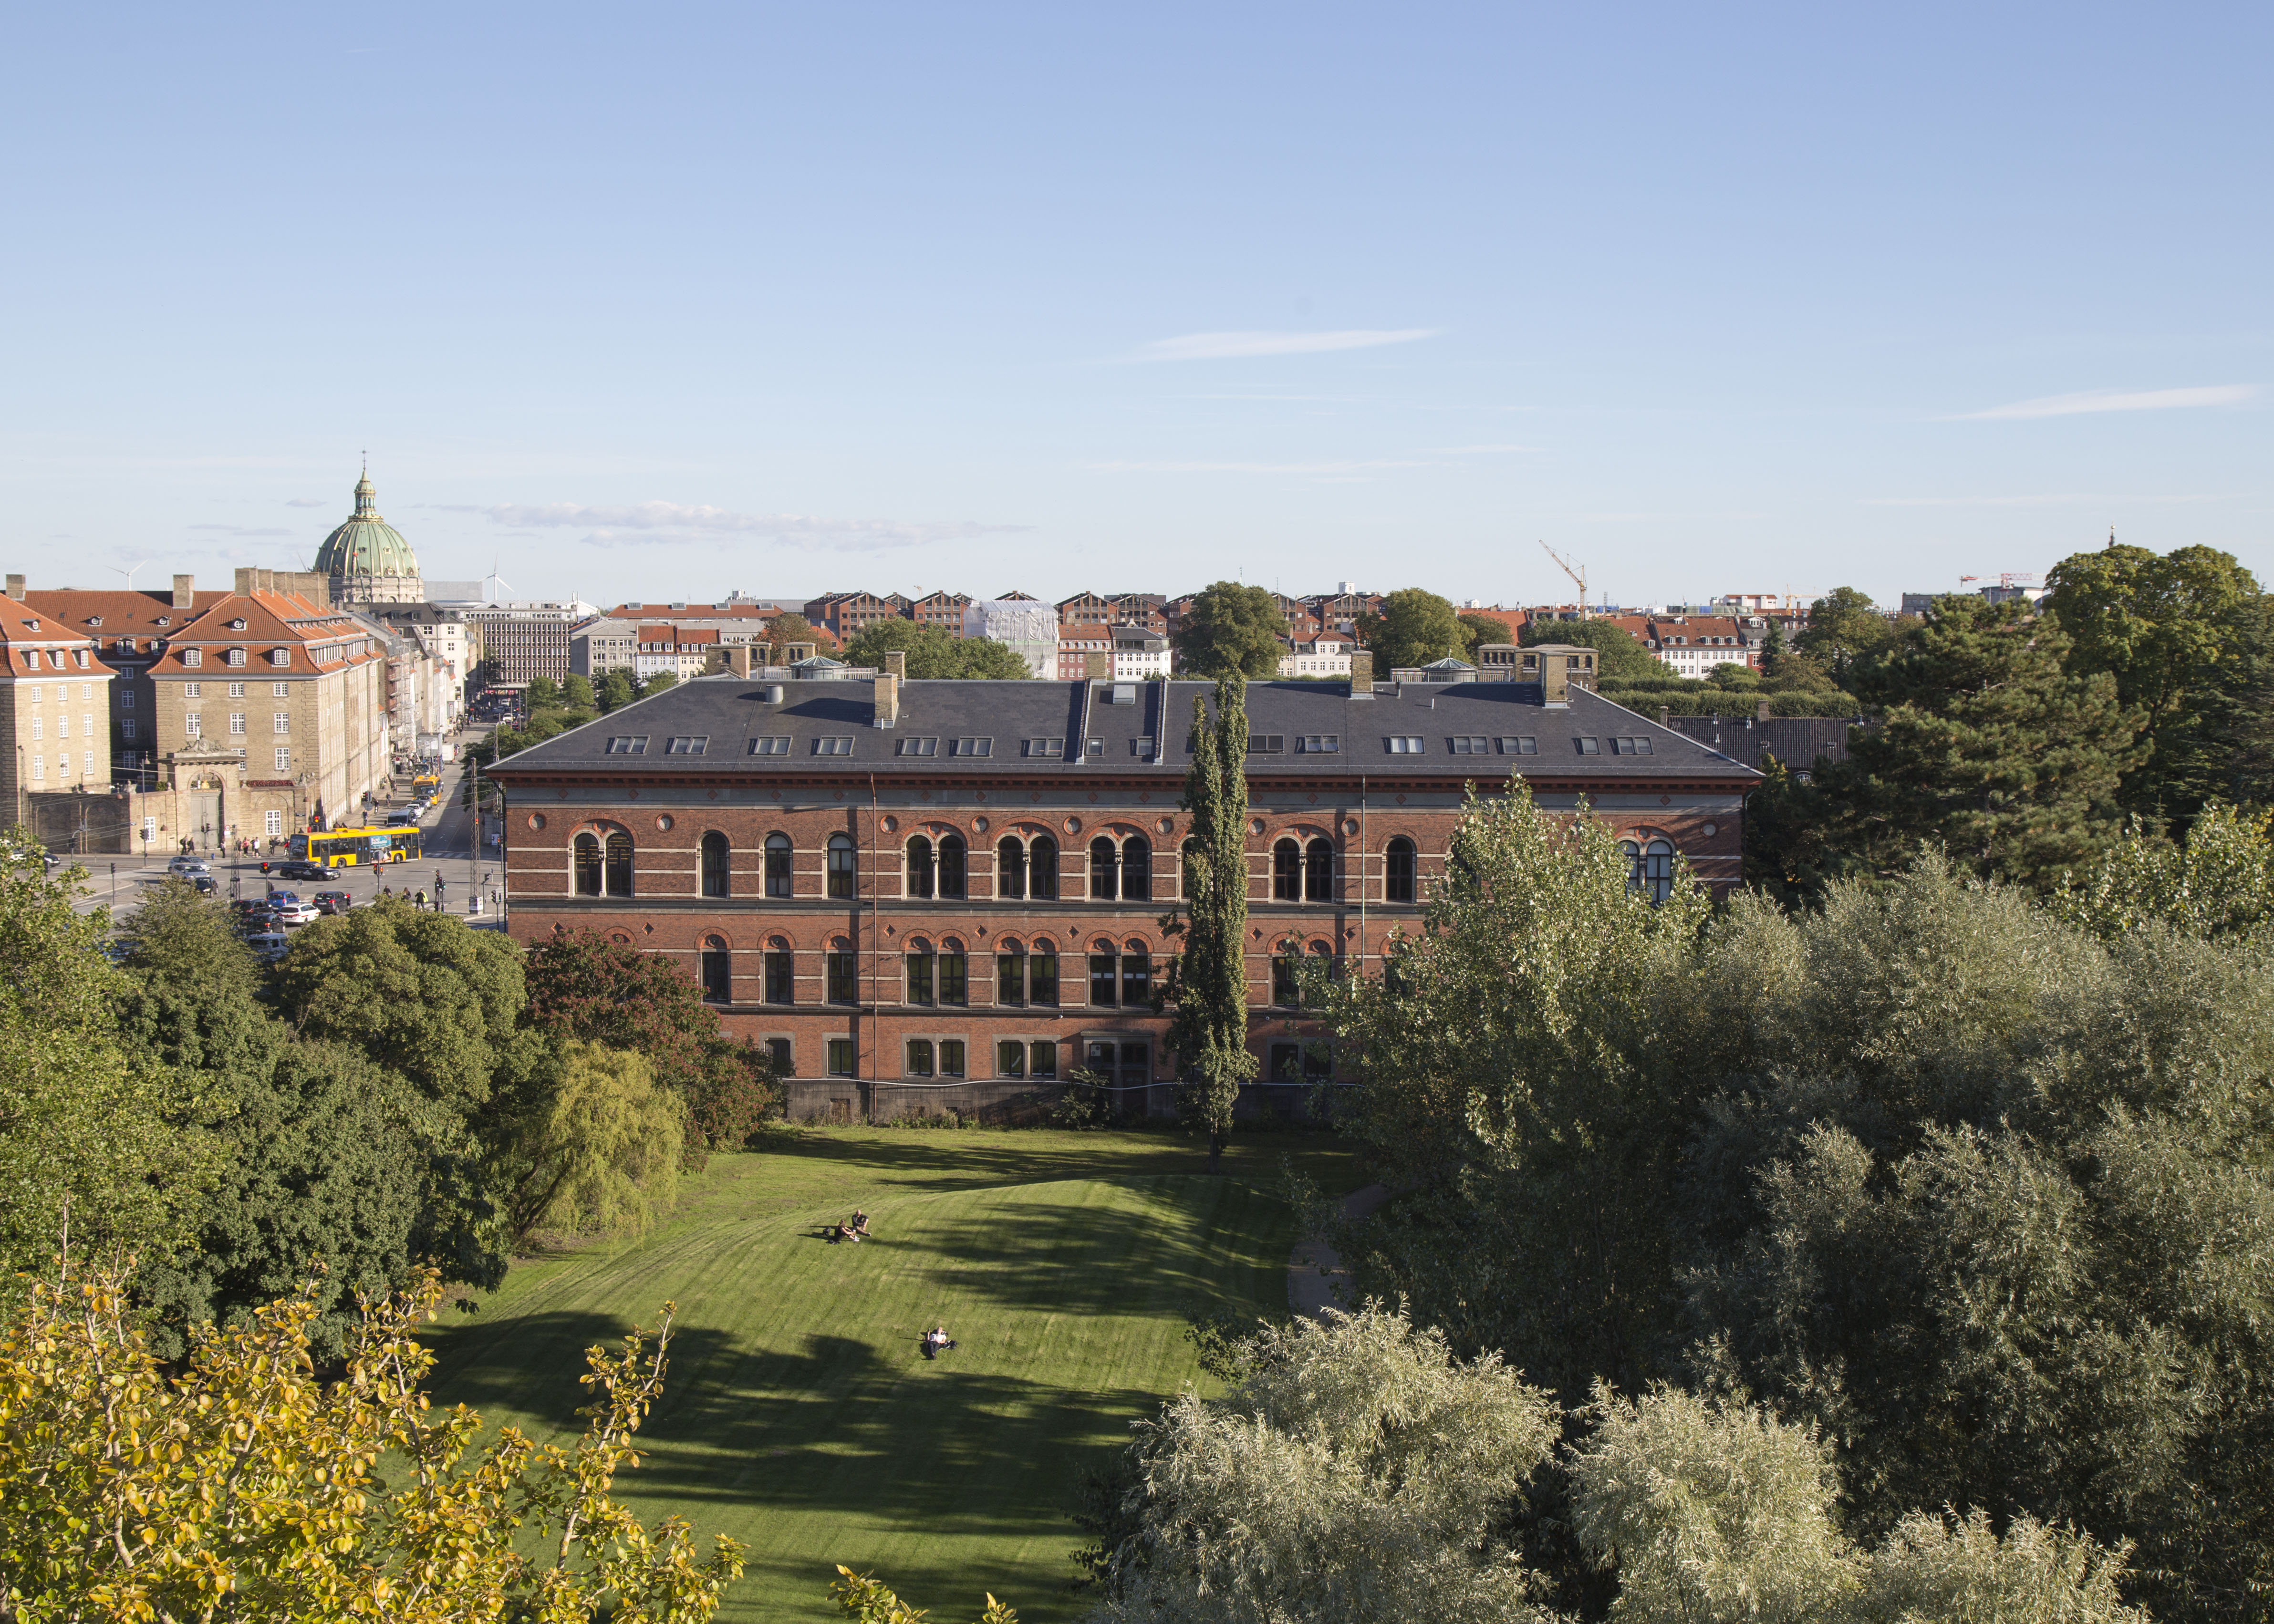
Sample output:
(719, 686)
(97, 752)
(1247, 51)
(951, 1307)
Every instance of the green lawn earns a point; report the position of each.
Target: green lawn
(800, 1415)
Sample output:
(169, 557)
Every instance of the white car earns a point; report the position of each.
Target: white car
(270, 945)
(296, 913)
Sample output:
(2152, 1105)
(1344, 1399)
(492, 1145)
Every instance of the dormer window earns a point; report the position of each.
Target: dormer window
(165, 620)
(237, 625)
(235, 656)
(94, 620)
(280, 657)
(193, 656)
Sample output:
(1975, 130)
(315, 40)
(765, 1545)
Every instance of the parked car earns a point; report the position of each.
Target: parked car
(271, 945)
(405, 815)
(296, 913)
(333, 902)
(185, 866)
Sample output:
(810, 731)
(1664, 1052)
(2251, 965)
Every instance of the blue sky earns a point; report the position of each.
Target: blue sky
(663, 302)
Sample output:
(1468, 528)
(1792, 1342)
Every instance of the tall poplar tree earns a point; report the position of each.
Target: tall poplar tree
(1210, 981)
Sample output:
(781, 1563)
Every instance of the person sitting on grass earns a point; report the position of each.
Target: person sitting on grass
(860, 1225)
(936, 1341)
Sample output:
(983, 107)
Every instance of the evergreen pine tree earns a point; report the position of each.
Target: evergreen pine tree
(1989, 748)
(1208, 983)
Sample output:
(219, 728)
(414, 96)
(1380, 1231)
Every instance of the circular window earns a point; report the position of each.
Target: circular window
(1165, 826)
(664, 822)
(620, 938)
(978, 825)
(1350, 825)
(1256, 827)
(537, 820)
(1074, 826)
(1713, 829)
(891, 823)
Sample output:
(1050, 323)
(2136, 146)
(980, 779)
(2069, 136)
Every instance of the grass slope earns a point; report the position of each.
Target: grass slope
(800, 1415)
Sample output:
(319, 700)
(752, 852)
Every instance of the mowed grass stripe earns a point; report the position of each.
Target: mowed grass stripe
(800, 1415)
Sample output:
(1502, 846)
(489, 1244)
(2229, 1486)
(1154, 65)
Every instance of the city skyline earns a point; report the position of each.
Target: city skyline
(790, 303)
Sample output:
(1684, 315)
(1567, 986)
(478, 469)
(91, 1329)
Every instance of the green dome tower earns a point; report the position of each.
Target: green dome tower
(367, 559)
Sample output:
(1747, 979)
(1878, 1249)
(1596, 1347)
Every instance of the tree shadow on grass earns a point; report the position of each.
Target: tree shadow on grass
(955, 1159)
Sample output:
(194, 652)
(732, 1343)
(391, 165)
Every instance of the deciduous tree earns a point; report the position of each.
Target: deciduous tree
(1231, 630)
(1413, 628)
(600, 1155)
(1208, 984)
(1619, 656)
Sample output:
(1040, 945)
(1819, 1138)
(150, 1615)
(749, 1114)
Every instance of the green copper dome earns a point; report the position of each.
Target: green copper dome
(366, 546)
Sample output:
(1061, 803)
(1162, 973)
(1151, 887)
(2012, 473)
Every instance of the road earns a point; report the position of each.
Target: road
(116, 882)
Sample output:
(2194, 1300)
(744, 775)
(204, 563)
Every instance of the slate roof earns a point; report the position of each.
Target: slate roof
(729, 713)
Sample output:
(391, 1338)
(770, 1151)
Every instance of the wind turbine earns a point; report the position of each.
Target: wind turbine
(493, 575)
(129, 573)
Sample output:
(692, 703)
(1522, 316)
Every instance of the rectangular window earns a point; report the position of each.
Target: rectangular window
(954, 973)
(778, 1051)
(781, 978)
(1042, 978)
(193, 658)
(950, 1056)
(236, 690)
(919, 1058)
(1589, 747)
(1104, 979)
(628, 744)
(1141, 747)
(272, 823)
(1630, 747)
(842, 1058)
(1322, 744)
(284, 758)
(833, 744)
(192, 726)
(282, 657)
(236, 721)
(1468, 744)
(280, 689)
(1520, 744)
(192, 690)
(39, 767)
(769, 744)
(39, 727)
(1043, 1058)
(1011, 1057)
(974, 747)
(126, 728)
(1011, 978)
(284, 721)
(918, 746)
(844, 977)
(1046, 747)
(1405, 745)
(1136, 980)
(126, 699)
(1098, 747)
(1267, 744)
(150, 828)
(235, 656)
(687, 744)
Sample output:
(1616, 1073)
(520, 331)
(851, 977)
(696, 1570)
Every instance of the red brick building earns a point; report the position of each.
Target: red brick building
(943, 892)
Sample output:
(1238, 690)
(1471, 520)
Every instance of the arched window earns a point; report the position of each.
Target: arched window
(781, 975)
(715, 864)
(778, 854)
(1650, 869)
(920, 962)
(618, 863)
(920, 875)
(1010, 868)
(1009, 975)
(1100, 870)
(1105, 975)
(1042, 869)
(1286, 872)
(954, 973)
(843, 860)
(1187, 866)
(588, 865)
(718, 970)
(1042, 974)
(1137, 870)
(1136, 976)
(1399, 879)
(841, 968)
(1286, 983)
(951, 865)
(1319, 871)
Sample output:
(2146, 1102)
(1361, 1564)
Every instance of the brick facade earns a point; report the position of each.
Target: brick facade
(1333, 828)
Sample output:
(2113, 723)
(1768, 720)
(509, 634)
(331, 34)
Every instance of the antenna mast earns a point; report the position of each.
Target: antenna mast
(1578, 576)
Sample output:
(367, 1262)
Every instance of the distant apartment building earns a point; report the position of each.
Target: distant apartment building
(1146, 609)
(522, 641)
(55, 707)
(1123, 653)
(943, 610)
(685, 645)
(1325, 655)
(846, 615)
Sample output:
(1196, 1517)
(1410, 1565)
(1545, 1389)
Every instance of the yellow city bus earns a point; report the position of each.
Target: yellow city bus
(347, 848)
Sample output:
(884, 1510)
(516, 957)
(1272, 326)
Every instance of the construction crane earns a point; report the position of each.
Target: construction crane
(2006, 577)
(1578, 576)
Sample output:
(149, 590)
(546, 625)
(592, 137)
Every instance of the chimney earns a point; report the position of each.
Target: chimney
(1761, 711)
(1362, 673)
(896, 664)
(887, 687)
(738, 659)
(16, 588)
(1665, 717)
(1098, 666)
(186, 595)
(1558, 662)
(248, 579)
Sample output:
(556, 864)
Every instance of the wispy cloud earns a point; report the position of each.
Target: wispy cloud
(2120, 400)
(1478, 450)
(242, 529)
(306, 501)
(1252, 468)
(2048, 499)
(664, 524)
(1238, 346)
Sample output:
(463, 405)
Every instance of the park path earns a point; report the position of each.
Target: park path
(1316, 1275)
